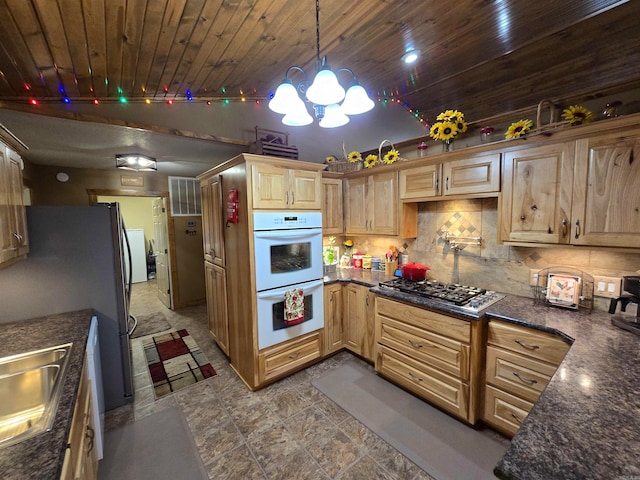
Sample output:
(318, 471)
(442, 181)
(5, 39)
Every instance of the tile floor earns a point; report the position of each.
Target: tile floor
(288, 430)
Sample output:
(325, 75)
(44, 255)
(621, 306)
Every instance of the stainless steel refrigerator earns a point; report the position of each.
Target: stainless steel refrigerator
(76, 261)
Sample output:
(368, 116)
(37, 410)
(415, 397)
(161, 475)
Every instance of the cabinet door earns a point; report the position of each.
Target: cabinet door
(606, 191)
(218, 222)
(333, 318)
(332, 213)
(270, 186)
(355, 206)
(17, 202)
(354, 321)
(305, 190)
(536, 194)
(207, 219)
(420, 182)
(382, 202)
(479, 174)
(216, 283)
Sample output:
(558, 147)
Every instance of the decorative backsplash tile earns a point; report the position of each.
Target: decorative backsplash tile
(458, 226)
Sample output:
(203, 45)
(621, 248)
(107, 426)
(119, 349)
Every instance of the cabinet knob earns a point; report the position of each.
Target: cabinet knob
(564, 227)
(523, 217)
(577, 227)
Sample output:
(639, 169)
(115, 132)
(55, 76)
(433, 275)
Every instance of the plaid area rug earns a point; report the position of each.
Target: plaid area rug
(175, 361)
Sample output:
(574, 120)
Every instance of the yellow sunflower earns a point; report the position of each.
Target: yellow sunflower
(391, 156)
(577, 115)
(370, 161)
(434, 132)
(354, 157)
(518, 129)
(330, 159)
(448, 130)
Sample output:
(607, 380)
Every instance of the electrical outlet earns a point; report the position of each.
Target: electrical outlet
(606, 286)
(533, 277)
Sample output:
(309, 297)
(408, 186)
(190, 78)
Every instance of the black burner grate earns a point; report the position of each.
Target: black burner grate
(448, 292)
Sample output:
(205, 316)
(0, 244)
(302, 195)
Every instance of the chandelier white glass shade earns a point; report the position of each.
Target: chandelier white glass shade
(136, 162)
(325, 94)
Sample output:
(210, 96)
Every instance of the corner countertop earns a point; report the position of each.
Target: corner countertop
(586, 423)
(42, 456)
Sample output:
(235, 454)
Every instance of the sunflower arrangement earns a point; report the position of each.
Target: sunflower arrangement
(354, 157)
(448, 124)
(391, 156)
(577, 115)
(518, 129)
(370, 161)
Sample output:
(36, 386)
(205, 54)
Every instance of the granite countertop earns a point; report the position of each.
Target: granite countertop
(41, 456)
(586, 423)
(366, 277)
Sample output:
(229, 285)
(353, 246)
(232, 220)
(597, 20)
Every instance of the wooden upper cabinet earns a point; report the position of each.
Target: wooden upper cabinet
(606, 191)
(420, 182)
(213, 220)
(470, 175)
(277, 188)
(332, 211)
(477, 174)
(14, 241)
(536, 194)
(371, 204)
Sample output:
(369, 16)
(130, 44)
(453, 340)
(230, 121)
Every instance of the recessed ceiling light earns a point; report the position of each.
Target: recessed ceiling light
(411, 56)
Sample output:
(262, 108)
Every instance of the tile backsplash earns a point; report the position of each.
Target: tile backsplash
(492, 266)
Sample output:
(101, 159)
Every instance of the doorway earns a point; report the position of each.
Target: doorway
(147, 221)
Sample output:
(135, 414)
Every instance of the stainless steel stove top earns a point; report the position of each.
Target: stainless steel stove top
(463, 297)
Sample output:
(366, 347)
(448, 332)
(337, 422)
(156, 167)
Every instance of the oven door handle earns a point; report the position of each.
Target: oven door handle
(287, 235)
(278, 293)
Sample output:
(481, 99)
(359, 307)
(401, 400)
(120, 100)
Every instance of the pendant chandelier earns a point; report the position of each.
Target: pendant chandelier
(325, 93)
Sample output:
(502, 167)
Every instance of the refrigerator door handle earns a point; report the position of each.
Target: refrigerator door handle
(135, 325)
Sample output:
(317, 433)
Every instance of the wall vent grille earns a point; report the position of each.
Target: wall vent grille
(184, 193)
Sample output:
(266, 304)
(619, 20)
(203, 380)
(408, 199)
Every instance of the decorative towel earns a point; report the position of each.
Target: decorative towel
(293, 306)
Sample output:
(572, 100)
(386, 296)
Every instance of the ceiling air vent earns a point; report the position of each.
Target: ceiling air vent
(184, 193)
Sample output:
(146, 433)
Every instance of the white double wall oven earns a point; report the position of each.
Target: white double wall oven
(288, 255)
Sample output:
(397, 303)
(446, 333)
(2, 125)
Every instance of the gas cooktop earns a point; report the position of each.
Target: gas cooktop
(465, 298)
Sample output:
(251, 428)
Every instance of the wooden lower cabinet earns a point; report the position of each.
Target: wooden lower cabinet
(216, 285)
(285, 358)
(81, 459)
(445, 391)
(436, 356)
(333, 318)
(520, 362)
(359, 320)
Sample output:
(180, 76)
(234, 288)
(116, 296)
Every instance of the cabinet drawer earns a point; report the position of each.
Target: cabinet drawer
(534, 343)
(441, 352)
(517, 374)
(426, 319)
(443, 390)
(504, 411)
(281, 359)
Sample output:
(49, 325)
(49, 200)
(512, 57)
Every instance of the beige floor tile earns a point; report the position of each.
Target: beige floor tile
(238, 463)
(335, 452)
(366, 469)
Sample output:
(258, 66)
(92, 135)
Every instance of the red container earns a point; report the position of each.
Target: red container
(415, 272)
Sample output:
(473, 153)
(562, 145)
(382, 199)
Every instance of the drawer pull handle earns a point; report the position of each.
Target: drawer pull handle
(414, 378)
(294, 354)
(415, 345)
(526, 345)
(516, 418)
(529, 381)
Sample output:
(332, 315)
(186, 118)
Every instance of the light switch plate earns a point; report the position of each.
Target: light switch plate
(606, 286)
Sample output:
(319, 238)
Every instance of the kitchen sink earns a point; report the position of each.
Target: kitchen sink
(30, 389)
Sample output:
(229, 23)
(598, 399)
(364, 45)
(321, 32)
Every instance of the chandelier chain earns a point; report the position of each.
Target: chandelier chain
(318, 32)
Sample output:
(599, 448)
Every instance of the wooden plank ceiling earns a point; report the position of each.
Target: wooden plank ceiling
(484, 57)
